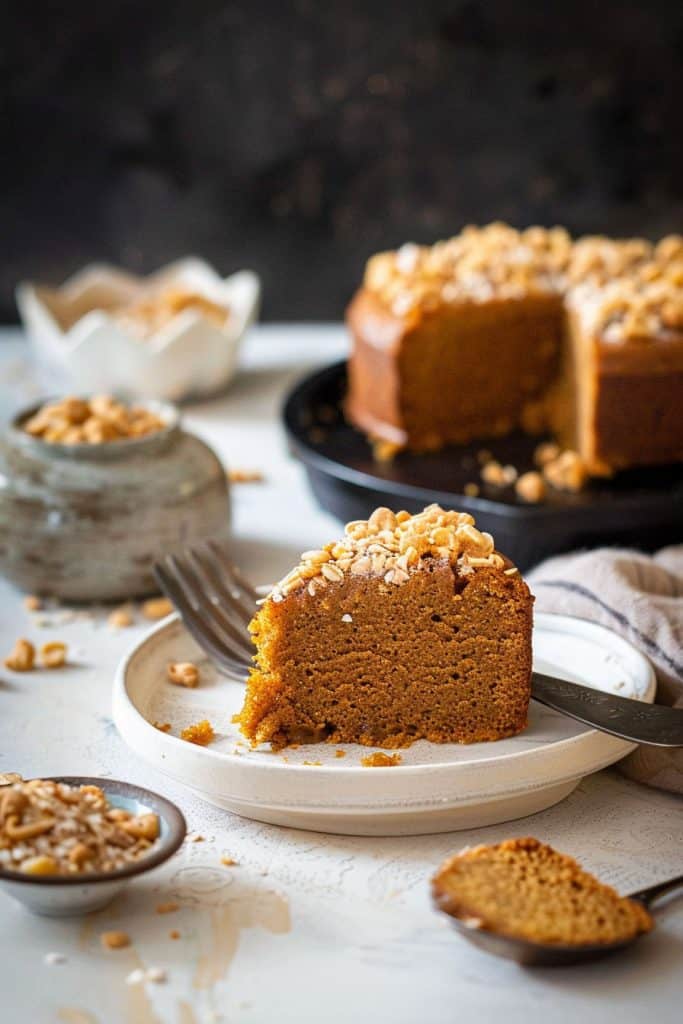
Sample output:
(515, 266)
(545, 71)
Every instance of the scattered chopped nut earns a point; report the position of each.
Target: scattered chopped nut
(244, 476)
(340, 753)
(229, 862)
(167, 908)
(22, 657)
(567, 472)
(200, 733)
(471, 490)
(115, 940)
(120, 618)
(530, 487)
(32, 603)
(498, 476)
(194, 837)
(53, 654)
(385, 451)
(183, 673)
(174, 934)
(157, 608)
(545, 452)
(162, 726)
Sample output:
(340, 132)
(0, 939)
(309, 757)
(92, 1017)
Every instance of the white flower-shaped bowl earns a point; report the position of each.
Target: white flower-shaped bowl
(74, 333)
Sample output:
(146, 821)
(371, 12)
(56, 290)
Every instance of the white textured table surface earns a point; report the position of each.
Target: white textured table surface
(307, 927)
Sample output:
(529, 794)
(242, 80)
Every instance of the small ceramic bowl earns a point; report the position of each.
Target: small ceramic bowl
(74, 333)
(87, 522)
(59, 896)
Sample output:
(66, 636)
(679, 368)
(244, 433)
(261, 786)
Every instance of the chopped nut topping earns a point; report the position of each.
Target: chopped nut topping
(229, 862)
(183, 673)
(162, 726)
(157, 608)
(567, 472)
(530, 487)
(391, 546)
(92, 421)
(51, 828)
(115, 940)
(200, 733)
(53, 654)
(22, 657)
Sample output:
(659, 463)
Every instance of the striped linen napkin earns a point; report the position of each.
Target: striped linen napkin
(640, 597)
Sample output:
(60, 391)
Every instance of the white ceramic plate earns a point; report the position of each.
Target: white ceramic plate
(436, 788)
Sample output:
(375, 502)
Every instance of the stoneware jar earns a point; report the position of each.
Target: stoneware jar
(86, 522)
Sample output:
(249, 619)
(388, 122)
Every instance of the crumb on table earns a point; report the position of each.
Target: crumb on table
(115, 940)
(157, 608)
(22, 657)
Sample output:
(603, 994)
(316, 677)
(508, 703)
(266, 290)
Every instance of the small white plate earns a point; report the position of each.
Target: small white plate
(436, 788)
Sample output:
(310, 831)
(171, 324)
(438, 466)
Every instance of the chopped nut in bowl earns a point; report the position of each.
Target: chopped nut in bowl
(68, 845)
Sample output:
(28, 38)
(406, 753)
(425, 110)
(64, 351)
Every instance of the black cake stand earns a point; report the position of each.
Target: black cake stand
(639, 508)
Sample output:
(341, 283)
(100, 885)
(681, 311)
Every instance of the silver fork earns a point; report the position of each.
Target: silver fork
(214, 600)
(216, 603)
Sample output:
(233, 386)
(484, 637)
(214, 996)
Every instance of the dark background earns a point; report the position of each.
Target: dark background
(297, 138)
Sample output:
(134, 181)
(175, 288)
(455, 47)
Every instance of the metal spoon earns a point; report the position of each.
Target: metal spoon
(536, 954)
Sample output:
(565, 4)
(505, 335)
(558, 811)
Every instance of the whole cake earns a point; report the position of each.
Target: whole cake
(409, 627)
(525, 889)
(497, 328)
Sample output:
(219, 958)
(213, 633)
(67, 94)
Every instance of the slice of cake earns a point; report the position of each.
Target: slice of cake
(525, 889)
(409, 627)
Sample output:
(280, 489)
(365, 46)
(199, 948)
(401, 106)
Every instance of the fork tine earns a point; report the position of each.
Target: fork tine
(195, 587)
(217, 652)
(232, 606)
(241, 585)
(221, 603)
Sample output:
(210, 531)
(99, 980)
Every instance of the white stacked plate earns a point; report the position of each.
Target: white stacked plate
(435, 788)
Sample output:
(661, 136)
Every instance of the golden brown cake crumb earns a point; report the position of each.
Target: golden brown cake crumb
(50, 827)
(530, 487)
(22, 657)
(91, 421)
(407, 627)
(53, 654)
(525, 889)
(167, 908)
(157, 608)
(115, 940)
(200, 733)
(183, 673)
(567, 472)
(380, 760)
